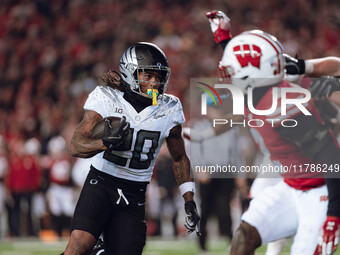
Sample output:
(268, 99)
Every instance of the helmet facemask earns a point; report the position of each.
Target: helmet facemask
(157, 88)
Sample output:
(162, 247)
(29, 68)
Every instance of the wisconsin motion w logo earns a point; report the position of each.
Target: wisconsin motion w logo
(246, 54)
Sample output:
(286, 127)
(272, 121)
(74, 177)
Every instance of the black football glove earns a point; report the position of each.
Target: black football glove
(324, 87)
(294, 65)
(114, 137)
(192, 217)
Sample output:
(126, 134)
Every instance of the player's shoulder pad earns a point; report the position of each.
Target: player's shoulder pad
(105, 93)
(170, 103)
(171, 106)
(102, 99)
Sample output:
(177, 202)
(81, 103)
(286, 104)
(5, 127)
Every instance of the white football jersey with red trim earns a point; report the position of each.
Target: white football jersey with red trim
(135, 158)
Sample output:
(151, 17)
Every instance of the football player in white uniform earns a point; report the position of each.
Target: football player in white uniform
(112, 200)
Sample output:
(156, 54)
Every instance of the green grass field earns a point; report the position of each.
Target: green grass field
(153, 247)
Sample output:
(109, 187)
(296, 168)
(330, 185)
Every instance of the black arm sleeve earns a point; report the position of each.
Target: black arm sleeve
(315, 141)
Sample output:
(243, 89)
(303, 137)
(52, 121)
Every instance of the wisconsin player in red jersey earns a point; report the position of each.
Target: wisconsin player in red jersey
(296, 206)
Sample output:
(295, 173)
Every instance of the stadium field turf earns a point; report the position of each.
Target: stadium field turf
(153, 247)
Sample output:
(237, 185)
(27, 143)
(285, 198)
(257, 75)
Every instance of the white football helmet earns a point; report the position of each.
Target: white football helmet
(253, 59)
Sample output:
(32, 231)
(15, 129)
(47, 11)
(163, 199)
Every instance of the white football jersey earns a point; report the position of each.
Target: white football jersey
(135, 158)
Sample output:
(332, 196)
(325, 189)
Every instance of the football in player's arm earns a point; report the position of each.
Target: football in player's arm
(325, 151)
(112, 200)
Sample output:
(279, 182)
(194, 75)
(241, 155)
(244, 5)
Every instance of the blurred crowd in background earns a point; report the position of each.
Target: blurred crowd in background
(52, 53)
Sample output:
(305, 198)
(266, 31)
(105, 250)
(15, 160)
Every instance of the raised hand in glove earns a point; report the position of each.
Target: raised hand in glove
(324, 87)
(115, 136)
(192, 217)
(220, 25)
(328, 241)
(294, 65)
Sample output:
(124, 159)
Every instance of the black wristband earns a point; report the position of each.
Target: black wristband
(302, 65)
(294, 65)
